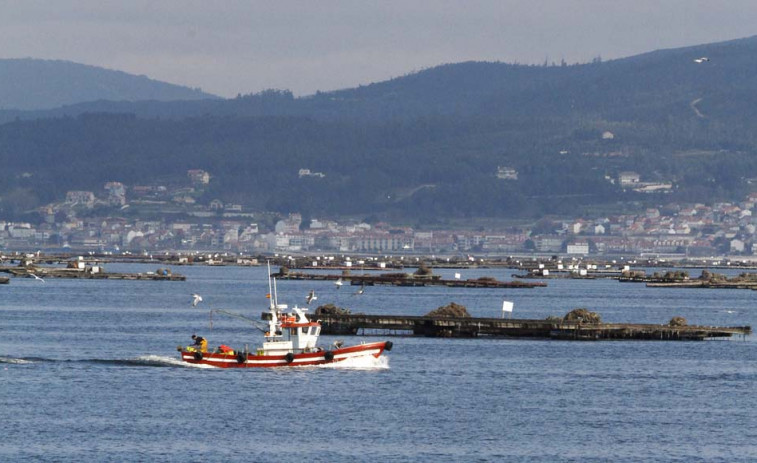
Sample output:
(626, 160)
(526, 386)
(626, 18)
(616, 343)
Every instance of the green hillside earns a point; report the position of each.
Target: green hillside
(427, 146)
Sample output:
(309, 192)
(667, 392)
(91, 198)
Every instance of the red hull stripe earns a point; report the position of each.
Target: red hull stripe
(262, 361)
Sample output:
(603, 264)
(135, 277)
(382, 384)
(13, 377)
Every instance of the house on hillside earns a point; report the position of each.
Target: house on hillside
(737, 246)
(198, 177)
(654, 187)
(548, 243)
(289, 225)
(82, 198)
(507, 173)
(576, 227)
(628, 178)
(116, 193)
(308, 173)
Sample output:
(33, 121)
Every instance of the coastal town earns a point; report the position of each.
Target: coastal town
(138, 218)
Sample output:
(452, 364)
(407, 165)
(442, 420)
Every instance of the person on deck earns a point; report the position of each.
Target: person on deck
(200, 343)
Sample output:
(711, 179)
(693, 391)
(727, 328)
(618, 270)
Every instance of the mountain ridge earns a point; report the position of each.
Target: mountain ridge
(29, 84)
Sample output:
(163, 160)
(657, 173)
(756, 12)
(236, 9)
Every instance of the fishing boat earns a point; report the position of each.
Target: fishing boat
(290, 339)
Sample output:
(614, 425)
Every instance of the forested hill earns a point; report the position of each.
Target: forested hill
(428, 145)
(644, 88)
(29, 84)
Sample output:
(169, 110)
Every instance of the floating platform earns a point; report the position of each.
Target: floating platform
(43, 272)
(560, 275)
(652, 282)
(394, 279)
(518, 328)
(4, 280)
(362, 268)
(704, 284)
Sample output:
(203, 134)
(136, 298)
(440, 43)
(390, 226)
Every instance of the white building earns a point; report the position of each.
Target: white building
(83, 198)
(308, 173)
(198, 177)
(628, 178)
(289, 225)
(578, 248)
(116, 193)
(507, 173)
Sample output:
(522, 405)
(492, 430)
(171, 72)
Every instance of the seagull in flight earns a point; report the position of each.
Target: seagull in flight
(38, 278)
(196, 299)
(338, 283)
(311, 296)
(703, 59)
(360, 291)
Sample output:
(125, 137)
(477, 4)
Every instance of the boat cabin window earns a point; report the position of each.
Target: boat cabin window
(311, 330)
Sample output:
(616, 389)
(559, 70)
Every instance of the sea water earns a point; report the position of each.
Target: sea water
(89, 372)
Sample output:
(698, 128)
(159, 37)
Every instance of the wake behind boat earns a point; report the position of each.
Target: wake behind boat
(290, 340)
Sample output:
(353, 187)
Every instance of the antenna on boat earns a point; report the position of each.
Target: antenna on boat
(271, 295)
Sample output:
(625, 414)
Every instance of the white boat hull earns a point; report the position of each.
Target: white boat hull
(240, 360)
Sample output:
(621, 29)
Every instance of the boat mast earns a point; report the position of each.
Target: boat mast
(273, 321)
(275, 294)
(271, 295)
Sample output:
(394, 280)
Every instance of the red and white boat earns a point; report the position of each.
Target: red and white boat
(290, 340)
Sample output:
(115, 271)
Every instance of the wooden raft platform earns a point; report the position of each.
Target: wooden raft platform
(704, 284)
(44, 272)
(523, 328)
(398, 280)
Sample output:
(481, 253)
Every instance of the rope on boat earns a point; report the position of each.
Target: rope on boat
(253, 322)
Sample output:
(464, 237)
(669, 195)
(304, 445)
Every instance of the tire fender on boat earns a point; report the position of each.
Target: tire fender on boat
(329, 356)
(388, 346)
(198, 355)
(241, 357)
(289, 357)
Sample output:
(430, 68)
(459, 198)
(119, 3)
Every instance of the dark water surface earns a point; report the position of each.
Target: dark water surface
(89, 372)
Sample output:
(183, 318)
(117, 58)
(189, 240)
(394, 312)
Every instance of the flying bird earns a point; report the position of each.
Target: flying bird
(196, 299)
(38, 278)
(338, 283)
(311, 296)
(702, 59)
(360, 290)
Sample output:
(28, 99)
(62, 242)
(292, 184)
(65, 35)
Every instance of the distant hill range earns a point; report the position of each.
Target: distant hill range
(459, 140)
(652, 85)
(31, 84)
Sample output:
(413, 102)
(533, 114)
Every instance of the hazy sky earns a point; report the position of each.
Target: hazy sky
(233, 46)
